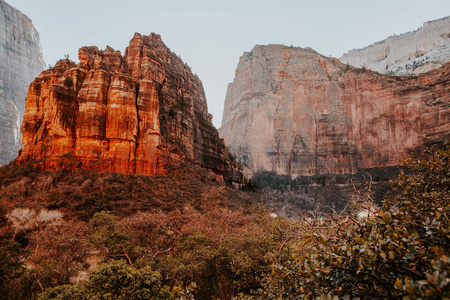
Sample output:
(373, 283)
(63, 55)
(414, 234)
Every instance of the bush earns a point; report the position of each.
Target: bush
(12, 273)
(402, 252)
(114, 280)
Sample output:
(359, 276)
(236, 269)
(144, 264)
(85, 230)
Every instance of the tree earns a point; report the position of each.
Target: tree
(106, 234)
(11, 270)
(115, 280)
(25, 219)
(401, 252)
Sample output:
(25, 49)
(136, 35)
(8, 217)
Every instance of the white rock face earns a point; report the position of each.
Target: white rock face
(410, 53)
(21, 60)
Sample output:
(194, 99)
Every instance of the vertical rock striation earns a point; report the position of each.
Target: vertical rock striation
(21, 61)
(139, 113)
(296, 112)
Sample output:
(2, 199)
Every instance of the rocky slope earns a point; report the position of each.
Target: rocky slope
(21, 61)
(411, 53)
(296, 112)
(137, 113)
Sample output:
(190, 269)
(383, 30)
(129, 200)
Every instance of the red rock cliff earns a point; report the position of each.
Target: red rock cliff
(133, 114)
(296, 112)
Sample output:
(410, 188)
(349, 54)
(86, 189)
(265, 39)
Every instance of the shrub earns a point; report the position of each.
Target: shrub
(402, 252)
(114, 280)
(12, 285)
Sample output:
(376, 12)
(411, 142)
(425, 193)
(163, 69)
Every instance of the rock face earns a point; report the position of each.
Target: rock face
(21, 61)
(296, 112)
(137, 113)
(412, 53)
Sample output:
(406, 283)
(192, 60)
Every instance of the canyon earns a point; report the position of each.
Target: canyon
(289, 110)
(21, 60)
(143, 112)
(293, 111)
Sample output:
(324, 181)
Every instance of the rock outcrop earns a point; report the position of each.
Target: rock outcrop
(21, 61)
(296, 112)
(137, 113)
(411, 53)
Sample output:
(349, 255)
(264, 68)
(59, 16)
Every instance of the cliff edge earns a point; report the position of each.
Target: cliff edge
(137, 113)
(21, 60)
(411, 53)
(296, 112)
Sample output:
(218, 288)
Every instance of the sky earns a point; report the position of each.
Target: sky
(211, 35)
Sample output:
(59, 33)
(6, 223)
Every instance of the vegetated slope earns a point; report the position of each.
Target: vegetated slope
(185, 235)
(290, 197)
(398, 252)
(80, 194)
(65, 222)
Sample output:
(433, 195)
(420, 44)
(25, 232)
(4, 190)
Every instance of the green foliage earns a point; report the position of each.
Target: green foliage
(114, 281)
(223, 266)
(11, 270)
(251, 250)
(65, 292)
(61, 256)
(263, 179)
(106, 234)
(10, 256)
(183, 231)
(403, 252)
(195, 258)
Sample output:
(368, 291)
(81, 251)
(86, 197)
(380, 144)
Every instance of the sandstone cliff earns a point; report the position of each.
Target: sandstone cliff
(21, 61)
(294, 111)
(137, 113)
(411, 53)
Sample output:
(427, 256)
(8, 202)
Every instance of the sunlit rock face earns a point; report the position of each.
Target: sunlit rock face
(21, 61)
(137, 113)
(296, 112)
(412, 53)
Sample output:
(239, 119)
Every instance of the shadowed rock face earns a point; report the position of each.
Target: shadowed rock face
(133, 114)
(21, 61)
(296, 112)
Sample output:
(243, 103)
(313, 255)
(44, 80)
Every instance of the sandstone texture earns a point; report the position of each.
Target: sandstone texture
(296, 112)
(138, 113)
(411, 53)
(21, 61)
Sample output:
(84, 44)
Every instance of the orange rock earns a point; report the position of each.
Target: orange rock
(132, 114)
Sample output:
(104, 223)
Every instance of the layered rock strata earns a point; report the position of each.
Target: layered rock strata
(411, 53)
(21, 61)
(137, 113)
(296, 112)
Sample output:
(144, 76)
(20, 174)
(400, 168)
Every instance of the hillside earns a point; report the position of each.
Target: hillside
(78, 234)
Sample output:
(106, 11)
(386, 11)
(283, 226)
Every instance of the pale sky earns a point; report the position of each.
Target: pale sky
(210, 35)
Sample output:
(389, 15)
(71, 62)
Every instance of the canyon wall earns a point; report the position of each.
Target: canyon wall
(21, 61)
(293, 111)
(411, 53)
(138, 113)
